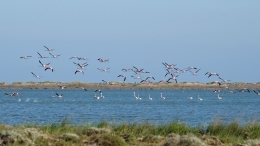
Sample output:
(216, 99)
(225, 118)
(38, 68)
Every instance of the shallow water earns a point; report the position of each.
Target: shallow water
(79, 106)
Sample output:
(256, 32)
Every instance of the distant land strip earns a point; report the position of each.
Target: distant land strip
(130, 86)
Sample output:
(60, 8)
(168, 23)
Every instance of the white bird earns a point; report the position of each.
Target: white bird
(122, 76)
(54, 56)
(101, 95)
(12, 94)
(43, 65)
(169, 66)
(63, 87)
(96, 97)
(191, 67)
(82, 66)
(137, 77)
(36, 75)
(216, 90)
(79, 71)
(150, 97)
(211, 74)
(139, 98)
(102, 60)
(104, 70)
(84, 88)
(82, 58)
(48, 49)
(213, 82)
(73, 57)
(98, 90)
(59, 95)
(190, 98)
(48, 67)
(41, 56)
(25, 57)
(150, 77)
(219, 97)
(138, 71)
(145, 81)
(169, 72)
(135, 96)
(126, 70)
(199, 98)
(162, 81)
(223, 79)
(244, 89)
(172, 78)
(106, 82)
(163, 98)
(195, 73)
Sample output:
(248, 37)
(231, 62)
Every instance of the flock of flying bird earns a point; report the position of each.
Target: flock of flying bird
(171, 70)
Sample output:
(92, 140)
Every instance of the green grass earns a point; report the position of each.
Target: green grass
(130, 133)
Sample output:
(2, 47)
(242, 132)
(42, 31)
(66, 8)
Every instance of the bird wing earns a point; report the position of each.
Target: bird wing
(198, 70)
(46, 47)
(40, 62)
(39, 54)
(51, 55)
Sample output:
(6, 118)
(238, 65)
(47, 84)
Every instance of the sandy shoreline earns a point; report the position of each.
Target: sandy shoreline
(131, 86)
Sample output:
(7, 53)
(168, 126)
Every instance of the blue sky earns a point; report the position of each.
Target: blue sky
(216, 36)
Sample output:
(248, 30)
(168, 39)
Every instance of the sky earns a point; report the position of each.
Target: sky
(215, 36)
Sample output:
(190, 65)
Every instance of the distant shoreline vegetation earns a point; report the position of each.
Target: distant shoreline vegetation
(130, 86)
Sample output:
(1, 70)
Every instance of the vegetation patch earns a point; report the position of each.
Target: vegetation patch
(145, 134)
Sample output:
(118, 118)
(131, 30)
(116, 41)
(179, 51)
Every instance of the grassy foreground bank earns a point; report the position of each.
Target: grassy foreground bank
(145, 134)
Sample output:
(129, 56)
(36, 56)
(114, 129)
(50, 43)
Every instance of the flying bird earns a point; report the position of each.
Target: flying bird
(73, 57)
(59, 95)
(48, 67)
(122, 76)
(217, 82)
(79, 71)
(106, 82)
(223, 79)
(172, 78)
(48, 49)
(43, 65)
(12, 94)
(36, 75)
(84, 88)
(41, 56)
(98, 90)
(54, 56)
(195, 73)
(25, 57)
(102, 60)
(104, 70)
(63, 87)
(211, 74)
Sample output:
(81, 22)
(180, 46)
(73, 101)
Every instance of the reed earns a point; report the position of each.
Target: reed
(105, 133)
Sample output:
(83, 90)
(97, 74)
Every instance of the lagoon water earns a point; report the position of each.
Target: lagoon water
(120, 106)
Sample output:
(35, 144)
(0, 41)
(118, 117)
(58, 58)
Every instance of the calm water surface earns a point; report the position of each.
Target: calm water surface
(118, 106)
